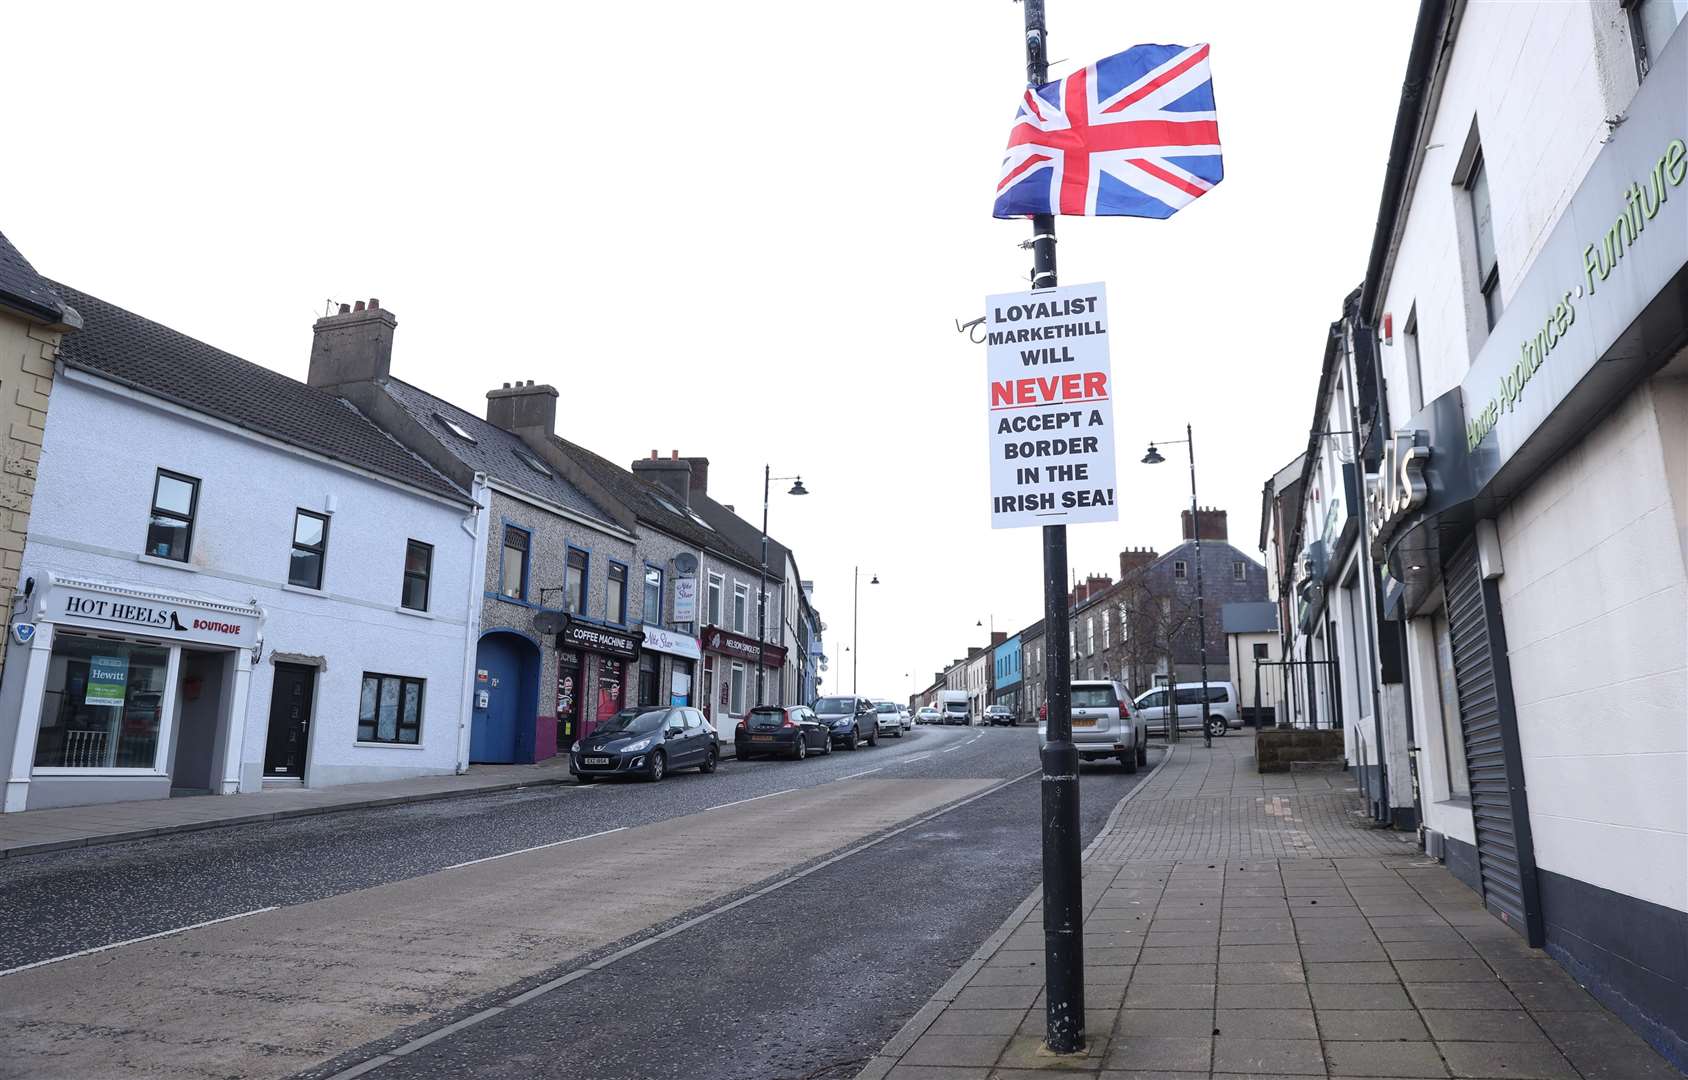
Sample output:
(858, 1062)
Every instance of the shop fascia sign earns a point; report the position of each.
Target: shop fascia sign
(669, 642)
(1398, 489)
(600, 639)
(113, 607)
(718, 640)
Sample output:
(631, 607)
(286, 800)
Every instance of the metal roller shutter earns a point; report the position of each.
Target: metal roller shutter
(1499, 805)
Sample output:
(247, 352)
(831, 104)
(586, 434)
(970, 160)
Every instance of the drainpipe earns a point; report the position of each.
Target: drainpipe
(475, 524)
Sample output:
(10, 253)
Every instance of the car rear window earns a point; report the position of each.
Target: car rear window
(769, 712)
(1093, 697)
(835, 705)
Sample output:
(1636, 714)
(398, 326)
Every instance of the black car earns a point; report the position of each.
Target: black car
(788, 730)
(851, 721)
(646, 742)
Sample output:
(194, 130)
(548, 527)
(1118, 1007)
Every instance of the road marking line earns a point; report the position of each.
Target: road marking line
(135, 941)
(375, 1062)
(853, 775)
(536, 847)
(924, 754)
(741, 802)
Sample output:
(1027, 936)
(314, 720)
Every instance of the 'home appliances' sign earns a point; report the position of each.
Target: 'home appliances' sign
(158, 615)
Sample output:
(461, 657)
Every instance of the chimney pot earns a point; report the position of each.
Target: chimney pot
(357, 307)
(345, 309)
(374, 305)
(674, 455)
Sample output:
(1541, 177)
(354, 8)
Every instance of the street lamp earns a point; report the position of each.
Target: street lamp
(1153, 457)
(762, 590)
(856, 625)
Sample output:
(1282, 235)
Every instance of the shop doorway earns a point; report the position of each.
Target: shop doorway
(290, 722)
(506, 708)
(199, 718)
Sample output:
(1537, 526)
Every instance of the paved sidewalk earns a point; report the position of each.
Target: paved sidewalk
(35, 831)
(1246, 926)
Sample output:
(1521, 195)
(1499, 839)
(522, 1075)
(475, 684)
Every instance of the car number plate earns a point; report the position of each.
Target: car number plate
(761, 738)
(1084, 721)
(595, 760)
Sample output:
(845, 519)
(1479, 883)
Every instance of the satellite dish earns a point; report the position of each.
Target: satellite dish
(685, 562)
(548, 622)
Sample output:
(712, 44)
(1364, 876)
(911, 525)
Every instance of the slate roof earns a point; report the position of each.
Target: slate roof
(742, 532)
(1251, 617)
(125, 348)
(493, 452)
(656, 507)
(21, 287)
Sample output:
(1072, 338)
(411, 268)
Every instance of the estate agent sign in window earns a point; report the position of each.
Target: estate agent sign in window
(103, 705)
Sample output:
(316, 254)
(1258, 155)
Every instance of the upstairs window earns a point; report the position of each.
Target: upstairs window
(418, 568)
(175, 500)
(615, 599)
(653, 595)
(1180, 569)
(1415, 370)
(741, 608)
(574, 583)
(310, 548)
(713, 613)
(1482, 223)
(513, 567)
(1239, 571)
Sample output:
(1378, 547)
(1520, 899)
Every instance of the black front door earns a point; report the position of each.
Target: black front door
(290, 720)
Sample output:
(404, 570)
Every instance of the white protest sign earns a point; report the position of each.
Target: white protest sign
(1050, 407)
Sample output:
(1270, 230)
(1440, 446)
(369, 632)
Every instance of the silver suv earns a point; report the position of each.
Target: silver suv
(1103, 724)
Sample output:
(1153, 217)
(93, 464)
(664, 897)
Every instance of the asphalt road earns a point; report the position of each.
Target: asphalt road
(806, 982)
(800, 982)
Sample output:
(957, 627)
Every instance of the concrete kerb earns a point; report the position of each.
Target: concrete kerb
(44, 846)
(882, 1063)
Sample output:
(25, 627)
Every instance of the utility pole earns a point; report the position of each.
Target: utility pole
(1063, 883)
(762, 588)
(1201, 603)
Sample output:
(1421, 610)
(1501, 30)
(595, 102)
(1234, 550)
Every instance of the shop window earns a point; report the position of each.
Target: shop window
(680, 683)
(615, 597)
(574, 582)
(1447, 685)
(735, 702)
(653, 595)
(713, 614)
(175, 500)
(1180, 569)
(390, 709)
(513, 565)
(418, 568)
(310, 548)
(1651, 23)
(649, 678)
(103, 705)
(741, 608)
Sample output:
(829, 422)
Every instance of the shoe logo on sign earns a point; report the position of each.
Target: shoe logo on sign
(23, 631)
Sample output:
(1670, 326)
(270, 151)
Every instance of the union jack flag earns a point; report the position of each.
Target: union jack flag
(1134, 134)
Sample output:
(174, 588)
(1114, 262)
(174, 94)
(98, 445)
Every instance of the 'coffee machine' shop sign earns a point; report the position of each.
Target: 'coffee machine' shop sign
(607, 640)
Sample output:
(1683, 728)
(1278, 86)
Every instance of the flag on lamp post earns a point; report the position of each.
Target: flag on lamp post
(1134, 134)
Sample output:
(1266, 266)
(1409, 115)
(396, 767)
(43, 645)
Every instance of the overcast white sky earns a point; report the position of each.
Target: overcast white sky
(738, 231)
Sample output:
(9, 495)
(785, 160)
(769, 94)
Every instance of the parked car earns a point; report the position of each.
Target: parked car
(888, 718)
(1001, 715)
(788, 730)
(850, 721)
(906, 715)
(928, 715)
(1103, 725)
(954, 706)
(648, 742)
(1223, 714)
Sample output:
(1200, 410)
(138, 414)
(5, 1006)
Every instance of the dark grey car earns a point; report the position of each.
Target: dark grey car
(649, 743)
(850, 720)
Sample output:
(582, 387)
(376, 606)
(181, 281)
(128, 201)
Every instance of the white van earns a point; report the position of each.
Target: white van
(1221, 708)
(953, 705)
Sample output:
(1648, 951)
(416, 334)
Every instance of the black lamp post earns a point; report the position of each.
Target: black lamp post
(1153, 457)
(856, 625)
(762, 590)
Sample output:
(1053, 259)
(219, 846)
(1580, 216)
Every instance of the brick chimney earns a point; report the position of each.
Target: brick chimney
(523, 407)
(1099, 583)
(1213, 524)
(1080, 591)
(353, 345)
(1135, 559)
(998, 637)
(673, 473)
(700, 474)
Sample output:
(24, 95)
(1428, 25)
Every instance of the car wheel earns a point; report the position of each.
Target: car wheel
(802, 750)
(1129, 760)
(709, 761)
(826, 745)
(742, 755)
(873, 737)
(1217, 728)
(1143, 753)
(657, 767)
(853, 743)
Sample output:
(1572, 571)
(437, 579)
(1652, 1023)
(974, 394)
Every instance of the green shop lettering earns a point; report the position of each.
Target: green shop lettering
(1642, 202)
